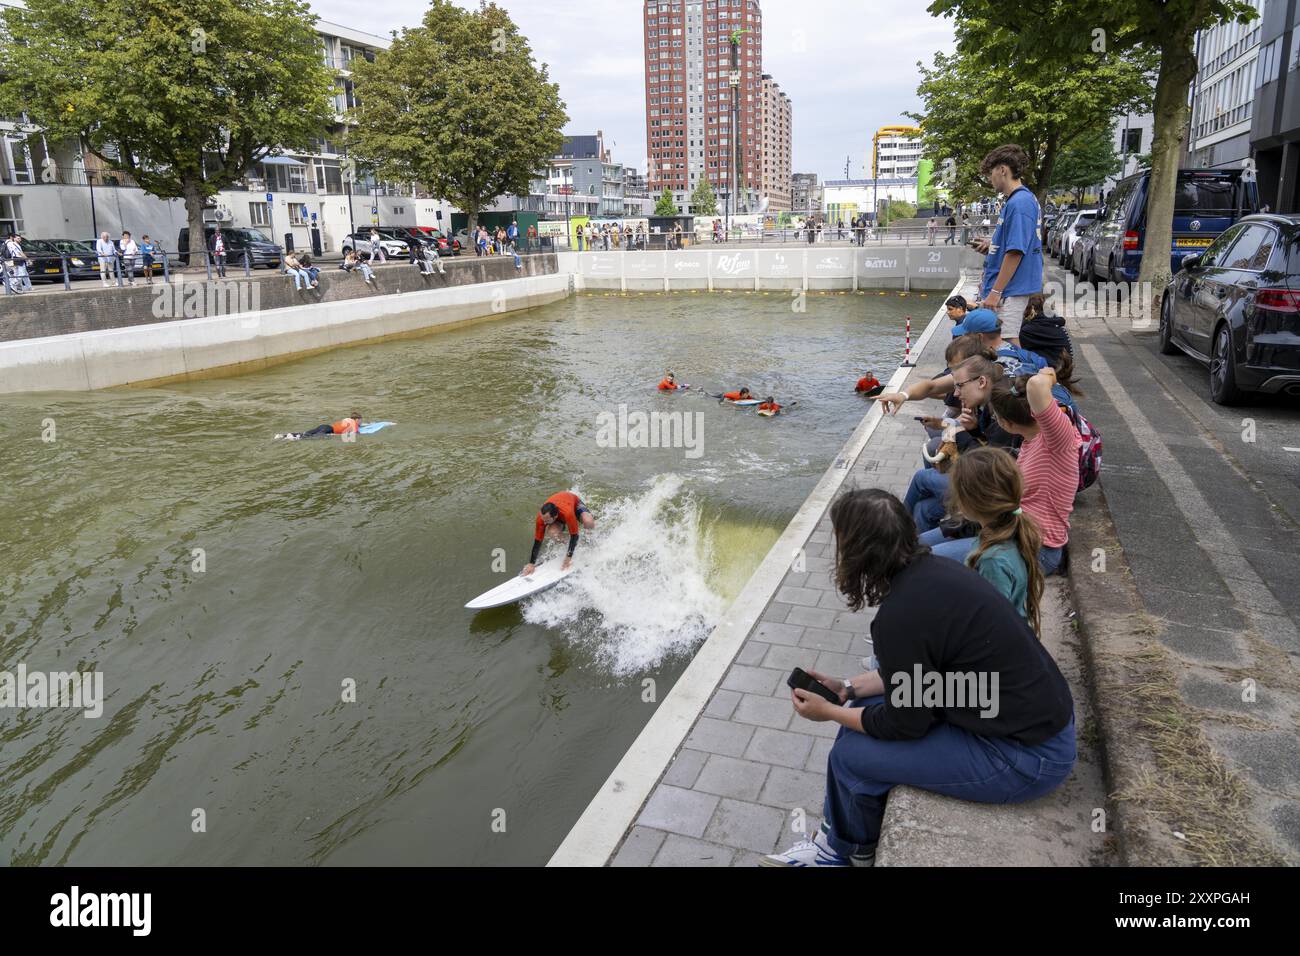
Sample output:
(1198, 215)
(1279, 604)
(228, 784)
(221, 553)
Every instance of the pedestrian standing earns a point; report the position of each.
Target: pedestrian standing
(512, 235)
(219, 253)
(376, 247)
(130, 251)
(107, 253)
(148, 249)
(931, 227)
(952, 231)
(14, 253)
(579, 237)
(1013, 261)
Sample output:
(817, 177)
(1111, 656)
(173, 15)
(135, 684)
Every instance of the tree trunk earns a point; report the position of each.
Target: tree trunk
(194, 203)
(1172, 114)
(472, 224)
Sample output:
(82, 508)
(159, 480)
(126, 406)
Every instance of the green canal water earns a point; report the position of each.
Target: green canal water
(327, 565)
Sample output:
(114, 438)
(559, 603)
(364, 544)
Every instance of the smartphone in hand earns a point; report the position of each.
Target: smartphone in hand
(799, 678)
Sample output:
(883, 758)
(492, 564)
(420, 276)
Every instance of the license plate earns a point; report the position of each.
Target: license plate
(1194, 243)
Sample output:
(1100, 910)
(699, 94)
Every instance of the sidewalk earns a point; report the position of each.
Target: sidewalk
(1193, 620)
(750, 769)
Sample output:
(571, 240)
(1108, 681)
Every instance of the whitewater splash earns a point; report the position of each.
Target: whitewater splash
(642, 589)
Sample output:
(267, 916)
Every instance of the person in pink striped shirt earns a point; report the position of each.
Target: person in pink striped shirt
(1048, 461)
(1049, 457)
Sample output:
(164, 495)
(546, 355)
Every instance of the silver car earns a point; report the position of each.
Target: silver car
(392, 246)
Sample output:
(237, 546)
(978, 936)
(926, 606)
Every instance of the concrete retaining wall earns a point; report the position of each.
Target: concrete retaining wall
(197, 348)
(89, 307)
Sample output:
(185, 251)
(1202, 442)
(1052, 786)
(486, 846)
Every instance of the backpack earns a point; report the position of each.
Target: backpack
(1089, 450)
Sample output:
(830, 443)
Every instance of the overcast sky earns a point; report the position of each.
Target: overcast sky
(849, 66)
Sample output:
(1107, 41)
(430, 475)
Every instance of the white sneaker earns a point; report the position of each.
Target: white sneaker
(814, 852)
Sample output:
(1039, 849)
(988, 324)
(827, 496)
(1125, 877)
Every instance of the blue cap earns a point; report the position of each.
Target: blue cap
(980, 320)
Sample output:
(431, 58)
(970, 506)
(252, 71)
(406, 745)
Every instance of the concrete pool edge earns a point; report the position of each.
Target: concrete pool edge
(594, 838)
(181, 350)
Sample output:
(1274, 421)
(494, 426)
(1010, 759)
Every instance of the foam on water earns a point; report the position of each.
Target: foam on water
(647, 585)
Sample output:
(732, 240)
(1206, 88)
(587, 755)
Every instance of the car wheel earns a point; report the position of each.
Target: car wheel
(1167, 346)
(1223, 374)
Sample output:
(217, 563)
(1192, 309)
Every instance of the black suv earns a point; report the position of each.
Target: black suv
(1236, 307)
(262, 252)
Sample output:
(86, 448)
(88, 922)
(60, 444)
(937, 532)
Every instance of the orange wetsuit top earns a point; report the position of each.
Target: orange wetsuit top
(568, 503)
(667, 386)
(769, 407)
(735, 397)
(867, 384)
(344, 426)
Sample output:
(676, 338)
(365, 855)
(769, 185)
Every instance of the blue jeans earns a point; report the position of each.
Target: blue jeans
(1049, 559)
(955, 548)
(925, 498)
(299, 277)
(948, 760)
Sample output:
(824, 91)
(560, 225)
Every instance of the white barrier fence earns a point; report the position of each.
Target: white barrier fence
(898, 267)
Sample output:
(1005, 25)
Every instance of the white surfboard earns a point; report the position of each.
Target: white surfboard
(517, 588)
(745, 402)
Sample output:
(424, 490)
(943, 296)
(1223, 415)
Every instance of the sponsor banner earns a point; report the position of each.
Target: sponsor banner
(602, 265)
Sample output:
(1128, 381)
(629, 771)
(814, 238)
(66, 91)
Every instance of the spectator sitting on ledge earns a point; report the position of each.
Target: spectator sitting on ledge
(966, 701)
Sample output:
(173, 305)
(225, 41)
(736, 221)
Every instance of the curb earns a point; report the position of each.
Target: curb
(1112, 636)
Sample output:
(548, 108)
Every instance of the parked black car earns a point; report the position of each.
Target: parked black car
(44, 262)
(1236, 307)
(262, 252)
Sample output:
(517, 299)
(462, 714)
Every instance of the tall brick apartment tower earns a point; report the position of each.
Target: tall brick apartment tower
(690, 81)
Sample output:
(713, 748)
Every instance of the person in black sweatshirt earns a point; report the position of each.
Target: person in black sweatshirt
(966, 701)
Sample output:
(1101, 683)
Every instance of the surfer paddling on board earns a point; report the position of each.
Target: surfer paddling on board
(563, 509)
(741, 396)
(344, 426)
(869, 386)
(669, 384)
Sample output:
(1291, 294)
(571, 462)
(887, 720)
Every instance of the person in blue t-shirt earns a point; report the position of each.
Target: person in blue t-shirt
(1013, 257)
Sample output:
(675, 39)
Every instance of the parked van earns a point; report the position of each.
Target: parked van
(1206, 203)
(262, 252)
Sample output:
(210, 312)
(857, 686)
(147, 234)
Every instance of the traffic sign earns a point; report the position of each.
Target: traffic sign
(270, 198)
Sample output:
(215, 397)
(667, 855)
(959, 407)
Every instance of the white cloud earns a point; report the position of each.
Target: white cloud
(849, 66)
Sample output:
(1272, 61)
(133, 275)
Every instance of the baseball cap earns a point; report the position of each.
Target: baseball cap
(979, 320)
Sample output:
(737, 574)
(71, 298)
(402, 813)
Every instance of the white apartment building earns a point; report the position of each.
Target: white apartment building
(48, 190)
(896, 152)
(1223, 94)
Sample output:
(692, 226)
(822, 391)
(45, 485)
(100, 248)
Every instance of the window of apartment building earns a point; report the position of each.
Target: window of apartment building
(1268, 62)
(11, 215)
(329, 178)
(260, 213)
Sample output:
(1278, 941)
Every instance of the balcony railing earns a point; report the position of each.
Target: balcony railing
(70, 176)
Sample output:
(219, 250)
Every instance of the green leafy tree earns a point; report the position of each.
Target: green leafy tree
(1064, 30)
(703, 200)
(666, 206)
(182, 96)
(982, 97)
(1088, 161)
(458, 105)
